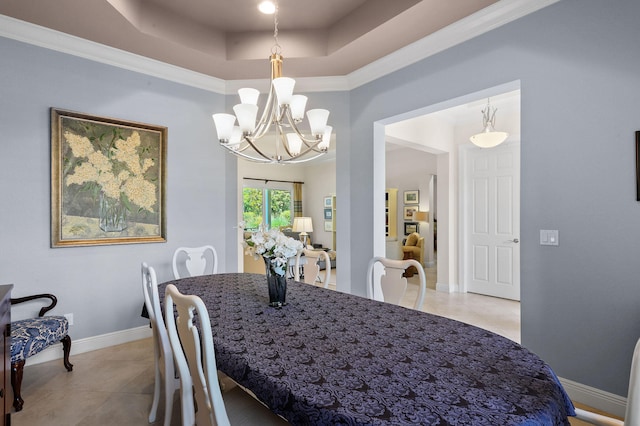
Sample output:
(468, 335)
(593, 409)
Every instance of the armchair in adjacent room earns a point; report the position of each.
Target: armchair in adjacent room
(413, 248)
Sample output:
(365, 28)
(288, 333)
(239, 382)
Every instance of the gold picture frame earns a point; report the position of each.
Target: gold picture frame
(107, 180)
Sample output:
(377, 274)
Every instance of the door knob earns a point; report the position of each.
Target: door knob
(515, 240)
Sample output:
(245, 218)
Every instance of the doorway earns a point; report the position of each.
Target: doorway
(448, 134)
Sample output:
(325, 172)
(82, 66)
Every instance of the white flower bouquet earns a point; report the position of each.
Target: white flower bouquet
(275, 247)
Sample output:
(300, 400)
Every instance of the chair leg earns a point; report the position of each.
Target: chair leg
(66, 347)
(17, 369)
(157, 383)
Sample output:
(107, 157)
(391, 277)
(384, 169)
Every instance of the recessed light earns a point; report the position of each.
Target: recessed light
(267, 7)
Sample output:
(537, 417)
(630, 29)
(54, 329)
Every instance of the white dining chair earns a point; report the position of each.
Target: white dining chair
(311, 269)
(632, 412)
(165, 376)
(392, 284)
(194, 261)
(196, 362)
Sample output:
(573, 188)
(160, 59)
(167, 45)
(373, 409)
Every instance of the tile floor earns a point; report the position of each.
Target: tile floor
(114, 386)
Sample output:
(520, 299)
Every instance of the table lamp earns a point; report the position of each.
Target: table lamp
(303, 225)
(419, 216)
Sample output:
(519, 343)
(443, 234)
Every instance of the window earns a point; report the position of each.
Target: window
(270, 203)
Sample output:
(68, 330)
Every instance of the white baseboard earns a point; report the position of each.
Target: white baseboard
(447, 288)
(596, 398)
(93, 343)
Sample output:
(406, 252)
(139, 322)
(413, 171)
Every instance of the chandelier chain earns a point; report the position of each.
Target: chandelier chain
(276, 47)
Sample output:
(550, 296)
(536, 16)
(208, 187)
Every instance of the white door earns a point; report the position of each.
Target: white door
(492, 258)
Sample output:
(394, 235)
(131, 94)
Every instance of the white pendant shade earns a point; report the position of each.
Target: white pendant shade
(246, 114)
(224, 125)
(326, 138)
(284, 89)
(298, 105)
(249, 95)
(489, 139)
(318, 120)
(294, 142)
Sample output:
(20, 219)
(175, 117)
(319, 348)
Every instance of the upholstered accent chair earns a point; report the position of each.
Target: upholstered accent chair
(413, 248)
(31, 336)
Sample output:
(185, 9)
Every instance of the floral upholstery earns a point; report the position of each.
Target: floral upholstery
(30, 336)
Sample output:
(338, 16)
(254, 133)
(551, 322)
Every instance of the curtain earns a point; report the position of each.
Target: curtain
(297, 199)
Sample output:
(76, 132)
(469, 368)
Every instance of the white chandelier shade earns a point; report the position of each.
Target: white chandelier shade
(282, 113)
(489, 137)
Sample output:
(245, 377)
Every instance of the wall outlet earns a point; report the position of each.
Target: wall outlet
(69, 318)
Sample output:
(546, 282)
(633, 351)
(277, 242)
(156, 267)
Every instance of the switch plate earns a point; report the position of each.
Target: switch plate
(549, 237)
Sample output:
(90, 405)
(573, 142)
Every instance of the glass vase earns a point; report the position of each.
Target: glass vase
(113, 214)
(277, 285)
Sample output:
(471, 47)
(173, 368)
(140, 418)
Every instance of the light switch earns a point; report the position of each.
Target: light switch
(549, 237)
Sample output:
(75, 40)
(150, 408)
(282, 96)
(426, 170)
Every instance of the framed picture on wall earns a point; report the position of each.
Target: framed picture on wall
(409, 211)
(328, 202)
(107, 180)
(412, 197)
(411, 227)
(328, 226)
(328, 214)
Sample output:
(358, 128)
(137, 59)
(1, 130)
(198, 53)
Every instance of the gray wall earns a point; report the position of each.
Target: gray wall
(100, 285)
(578, 65)
(578, 62)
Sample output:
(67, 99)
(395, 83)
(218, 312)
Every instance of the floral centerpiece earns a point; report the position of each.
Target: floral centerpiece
(276, 249)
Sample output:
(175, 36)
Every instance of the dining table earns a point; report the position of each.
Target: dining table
(332, 358)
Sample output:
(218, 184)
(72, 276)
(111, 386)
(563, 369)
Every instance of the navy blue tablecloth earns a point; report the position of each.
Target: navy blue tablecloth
(329, 358)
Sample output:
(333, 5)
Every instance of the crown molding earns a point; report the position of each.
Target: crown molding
(61, 42)
(494, 16)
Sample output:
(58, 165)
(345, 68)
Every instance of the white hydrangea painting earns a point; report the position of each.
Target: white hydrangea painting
(108, 180)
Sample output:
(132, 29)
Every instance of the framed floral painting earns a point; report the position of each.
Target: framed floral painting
(107, 180)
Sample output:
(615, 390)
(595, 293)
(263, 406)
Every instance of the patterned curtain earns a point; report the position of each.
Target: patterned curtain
(297, 199)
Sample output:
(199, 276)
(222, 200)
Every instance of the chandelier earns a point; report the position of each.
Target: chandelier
(488, 137)
(283, 112)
